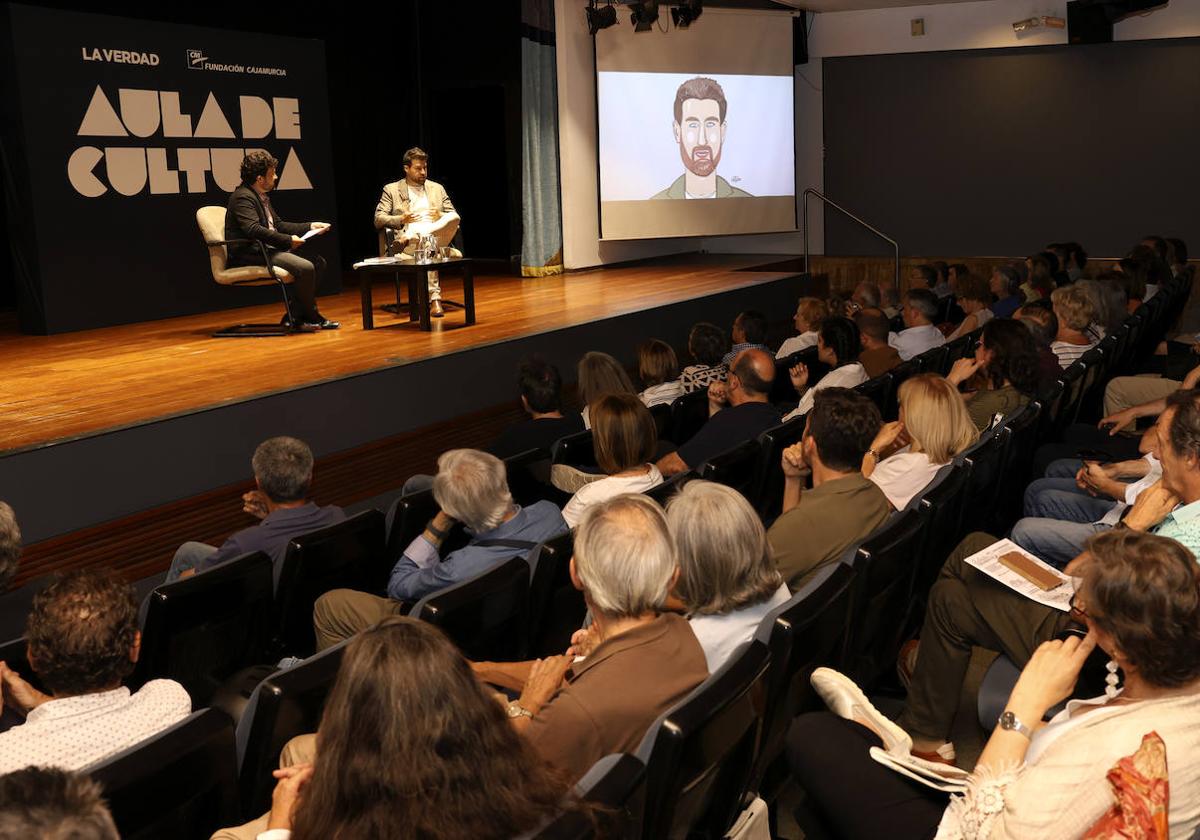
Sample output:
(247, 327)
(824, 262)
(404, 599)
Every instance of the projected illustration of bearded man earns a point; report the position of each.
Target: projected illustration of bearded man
(700, 133)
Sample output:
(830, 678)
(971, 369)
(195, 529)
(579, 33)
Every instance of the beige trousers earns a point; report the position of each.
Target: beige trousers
(340, 613)
(1127, 391)
(300, 750)
(444, 229)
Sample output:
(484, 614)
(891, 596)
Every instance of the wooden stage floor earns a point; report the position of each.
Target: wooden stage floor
(54, 388)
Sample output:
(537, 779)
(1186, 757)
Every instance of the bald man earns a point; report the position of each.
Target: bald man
(737, 411)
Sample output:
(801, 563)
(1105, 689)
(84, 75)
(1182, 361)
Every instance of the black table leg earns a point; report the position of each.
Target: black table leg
(368, 316)
(469, 293)
(423, 300)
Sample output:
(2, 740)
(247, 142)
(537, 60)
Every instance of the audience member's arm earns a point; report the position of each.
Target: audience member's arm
(962, 370)
(883, 444)
(510, 675)
(17, 693)
(671, 464)
(545, 678)
(1123, 419)
(287, 795)
(1047, 680)
(1152, 506)
(418, 570)
(718, 397)
(795, 469)
(1097, 480)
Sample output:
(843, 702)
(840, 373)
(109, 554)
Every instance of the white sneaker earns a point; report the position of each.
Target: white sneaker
(846, 700)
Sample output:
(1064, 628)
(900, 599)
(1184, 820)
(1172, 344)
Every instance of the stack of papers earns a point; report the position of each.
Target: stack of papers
(377, 261)
(988, 562)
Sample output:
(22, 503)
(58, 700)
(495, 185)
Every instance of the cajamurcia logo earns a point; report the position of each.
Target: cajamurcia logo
(196, 59)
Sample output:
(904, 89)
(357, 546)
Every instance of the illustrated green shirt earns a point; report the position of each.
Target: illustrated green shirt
(678, 189)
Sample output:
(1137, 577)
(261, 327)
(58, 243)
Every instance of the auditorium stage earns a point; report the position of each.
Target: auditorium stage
(121, 442)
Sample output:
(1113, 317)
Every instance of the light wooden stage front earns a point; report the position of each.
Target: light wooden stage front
(62, 387)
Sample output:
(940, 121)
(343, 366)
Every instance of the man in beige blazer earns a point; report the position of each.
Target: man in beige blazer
(415, 206)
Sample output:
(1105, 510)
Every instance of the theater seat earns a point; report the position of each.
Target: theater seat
(487, 616)
(556, 607)
(211, 220)
(180, 784)
(688, 414)
(737, 468)
(700, 753)
(617, 783)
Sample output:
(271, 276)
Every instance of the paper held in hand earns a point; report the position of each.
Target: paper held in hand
(312, 233)
(1027, 575)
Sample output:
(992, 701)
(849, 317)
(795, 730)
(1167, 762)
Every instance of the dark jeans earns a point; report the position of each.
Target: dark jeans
(853, 794)
(306, 274)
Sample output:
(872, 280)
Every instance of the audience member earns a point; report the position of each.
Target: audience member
(817, 526)
(600, 374)
(659, 371)
(1076, 260)
(923, 276)
(809, 314)
(646, 659)
(1042, 267)
(1007, 359)
(1177, 256)
(877, 356)
(954, 275)
(974, 297)
(1108, 301)
(891, 301)
(866, 295)
(967, 608)
(749, 333)
(1039, 318)
(933, 429)
(707, 344)
(283, 470)
(1073, 308)
(470, 487)
(728, 581)
(10, 545)
(1128, 399)
(83, 641)
(920, 310)
(1138, 601)
(541, 397)
(945, 279)
(838, 346)
(625, 442)
(1006, 286)
(748, 414)
(410, 745)
(45, 803)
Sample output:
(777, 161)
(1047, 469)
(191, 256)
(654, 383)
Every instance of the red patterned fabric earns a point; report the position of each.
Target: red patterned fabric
(1139, 785)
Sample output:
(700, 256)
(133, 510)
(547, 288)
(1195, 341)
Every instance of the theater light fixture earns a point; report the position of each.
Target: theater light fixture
(602, 18)
(643, 15)
(1028, 23)
(685, 13)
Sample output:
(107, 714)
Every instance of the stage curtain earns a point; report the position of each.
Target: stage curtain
(541, 215)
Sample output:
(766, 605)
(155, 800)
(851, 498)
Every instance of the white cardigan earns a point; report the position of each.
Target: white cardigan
(1064, 790)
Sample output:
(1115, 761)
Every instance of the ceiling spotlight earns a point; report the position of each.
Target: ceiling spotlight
(685, 13)
(598, 19)
(643, 15)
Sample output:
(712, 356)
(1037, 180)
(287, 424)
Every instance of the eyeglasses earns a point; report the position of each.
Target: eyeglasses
(1078, 613)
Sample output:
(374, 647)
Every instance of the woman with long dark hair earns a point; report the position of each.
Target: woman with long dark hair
(412, 746)
(1006, 361)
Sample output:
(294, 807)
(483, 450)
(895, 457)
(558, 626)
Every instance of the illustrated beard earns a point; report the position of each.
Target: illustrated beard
(701, 161)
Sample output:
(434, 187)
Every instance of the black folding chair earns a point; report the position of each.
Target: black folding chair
(577, 450)
(699, 754)
(737, 468)
(617, 783)
(487, 616)
(348, 555)
(933, 360)
(942, 505)
(984, 462)
(898, 375)
(877, 390)
(661, 412)
(1018, 464)
(181, 783)
(202, 629)
(287, 703)
(688, 414)
(771, 443)
(556, 607)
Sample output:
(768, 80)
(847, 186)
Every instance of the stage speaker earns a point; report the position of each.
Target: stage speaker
(1088, 23)
(800, 39)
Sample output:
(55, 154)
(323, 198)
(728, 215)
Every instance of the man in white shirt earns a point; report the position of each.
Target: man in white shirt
(920, 308)
(83, 641)
(414, 207)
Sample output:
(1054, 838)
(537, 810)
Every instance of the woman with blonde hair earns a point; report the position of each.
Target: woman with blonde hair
(600, 374)
(1075, 312)
(625, 442)
(810, 313)
(934, 428)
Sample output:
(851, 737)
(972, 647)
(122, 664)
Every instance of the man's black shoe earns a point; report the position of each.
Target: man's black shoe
(324, 324)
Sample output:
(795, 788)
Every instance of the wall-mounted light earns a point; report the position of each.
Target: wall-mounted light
(601, 18)
(644, 15)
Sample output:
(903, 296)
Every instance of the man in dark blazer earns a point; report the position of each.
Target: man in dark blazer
(251, 216)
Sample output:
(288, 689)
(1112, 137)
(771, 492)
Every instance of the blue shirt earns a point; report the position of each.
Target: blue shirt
(272, 535)
(418, 572)
(1183, 526)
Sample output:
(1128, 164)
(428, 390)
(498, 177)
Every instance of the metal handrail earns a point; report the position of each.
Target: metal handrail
(845, 212)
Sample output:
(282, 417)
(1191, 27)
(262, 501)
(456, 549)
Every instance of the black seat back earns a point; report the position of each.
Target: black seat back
(348, 555)
(802, 635)
(286, 704)
(933, 360)
(487, 616)
(959, 348)
(899, 374)
(1018, 464)
(662, 493)
(406, 519)
(180, 784)
(528, 475)
(877, 390)
(984, 461)
(617, 783)
(661, 412)
(884, 569)
(771, 443)
(200, 630)
(782, 391)
(556, 607)
(576, 450)
(942, 504)
(737, 468)
(688, 414)
(1091, 385)
(699, 754)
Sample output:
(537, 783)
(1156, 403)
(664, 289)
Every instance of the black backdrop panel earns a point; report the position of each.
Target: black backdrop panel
(128, 127)
(997, 152)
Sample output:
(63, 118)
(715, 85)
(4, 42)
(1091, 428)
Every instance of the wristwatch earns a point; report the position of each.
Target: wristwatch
(1007, 721)
(516, 710)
